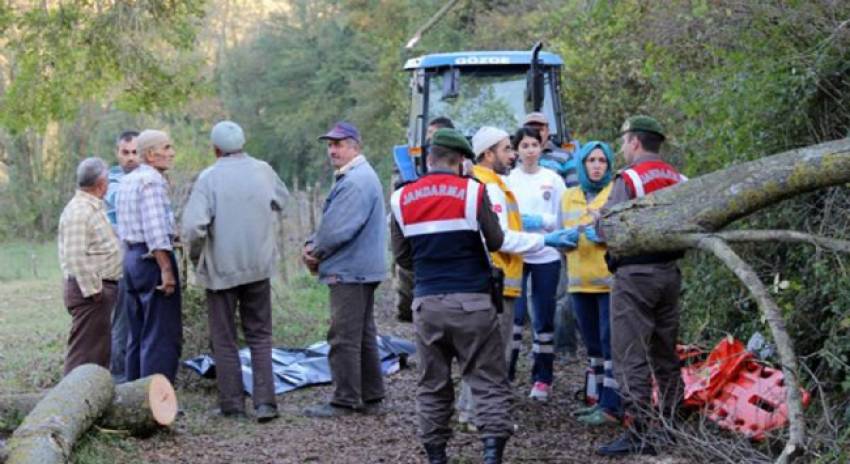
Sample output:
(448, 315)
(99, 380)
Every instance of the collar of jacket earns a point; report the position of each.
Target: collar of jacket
(87, 197)
(488, 176)
(358, 160)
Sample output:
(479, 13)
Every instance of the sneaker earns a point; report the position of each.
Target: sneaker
(540, 391)
(265, 413)
(597, 418)
(585, 410)
(327, 410)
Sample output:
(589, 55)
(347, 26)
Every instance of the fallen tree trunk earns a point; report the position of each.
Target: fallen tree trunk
(140, 407)
(49, 432)
(689, 215)
(710, 202)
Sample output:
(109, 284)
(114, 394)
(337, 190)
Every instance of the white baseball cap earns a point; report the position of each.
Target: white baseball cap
(228, 136)
(486, 137)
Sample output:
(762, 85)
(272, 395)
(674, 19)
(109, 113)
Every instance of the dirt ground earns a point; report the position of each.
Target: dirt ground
(547, 433)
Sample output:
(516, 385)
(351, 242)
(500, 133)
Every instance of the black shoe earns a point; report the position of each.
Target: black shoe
(373, 408)
(328, 410)
(629, 442)
(494, 447)
(230, 413)
(437, 454)
(265, 412)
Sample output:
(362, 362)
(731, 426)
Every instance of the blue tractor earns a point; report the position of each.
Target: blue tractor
(475, 89)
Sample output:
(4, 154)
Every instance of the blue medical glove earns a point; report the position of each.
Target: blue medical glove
(590, 233)
(532, 221)
(563, 238)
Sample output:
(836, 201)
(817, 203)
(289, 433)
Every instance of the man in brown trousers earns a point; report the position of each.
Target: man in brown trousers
(441, 224)
(644, 299)
(90, 256)
(347, 251)
(229, 223)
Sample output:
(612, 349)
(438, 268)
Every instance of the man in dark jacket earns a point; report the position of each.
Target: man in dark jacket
(441, 224)
(348, 252)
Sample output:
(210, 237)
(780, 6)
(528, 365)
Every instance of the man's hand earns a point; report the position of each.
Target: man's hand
(169, 283)
(309, 260)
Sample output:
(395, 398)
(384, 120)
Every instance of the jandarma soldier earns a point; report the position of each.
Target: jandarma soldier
(440, 226)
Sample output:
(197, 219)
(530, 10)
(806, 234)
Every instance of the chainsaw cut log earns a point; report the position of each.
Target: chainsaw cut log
(51, 429)
(139, 407)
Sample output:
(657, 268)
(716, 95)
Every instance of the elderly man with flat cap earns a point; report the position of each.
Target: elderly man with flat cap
(348, 251)
(146, 226)
(230, 225)
(644, 298)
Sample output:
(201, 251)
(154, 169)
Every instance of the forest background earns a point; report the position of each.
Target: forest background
(731, 80)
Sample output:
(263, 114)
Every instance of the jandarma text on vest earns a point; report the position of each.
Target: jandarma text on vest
(434, 190)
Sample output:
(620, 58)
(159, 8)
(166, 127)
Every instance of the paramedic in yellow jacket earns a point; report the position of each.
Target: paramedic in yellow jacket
(494, 157)
(589, 282)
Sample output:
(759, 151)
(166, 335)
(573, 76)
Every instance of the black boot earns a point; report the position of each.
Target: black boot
(437, 454)
(493, 449)
(628, 443)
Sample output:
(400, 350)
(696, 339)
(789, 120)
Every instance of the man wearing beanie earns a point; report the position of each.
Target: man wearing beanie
(230, 224)
(146, 226)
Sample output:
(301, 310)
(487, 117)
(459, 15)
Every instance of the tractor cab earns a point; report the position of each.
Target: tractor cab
(476, 89)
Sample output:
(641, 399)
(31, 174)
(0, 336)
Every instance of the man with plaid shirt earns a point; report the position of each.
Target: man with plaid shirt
(90, 257)
(146, 225)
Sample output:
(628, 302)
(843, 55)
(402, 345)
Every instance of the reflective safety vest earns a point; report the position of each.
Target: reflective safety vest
(438, 214)
(509, 263)
(586, 268)
(648, 176)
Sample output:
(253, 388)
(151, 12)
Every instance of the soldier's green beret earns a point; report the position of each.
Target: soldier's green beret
(453, 140)
(642, 123)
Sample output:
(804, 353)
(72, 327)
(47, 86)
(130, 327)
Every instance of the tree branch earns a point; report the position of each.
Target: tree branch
(790, 236)
(708, 203)
(785, 346)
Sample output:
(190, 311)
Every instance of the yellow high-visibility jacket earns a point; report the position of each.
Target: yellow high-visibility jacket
(506, 207)
(586, 268)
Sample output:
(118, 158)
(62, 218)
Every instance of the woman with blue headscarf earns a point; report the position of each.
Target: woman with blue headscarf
(590, 282)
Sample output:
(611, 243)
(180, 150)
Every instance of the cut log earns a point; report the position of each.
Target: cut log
(139, 407)
(49, 432)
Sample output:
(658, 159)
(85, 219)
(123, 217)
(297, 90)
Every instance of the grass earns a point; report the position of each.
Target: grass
(34, 327)
(29, 261)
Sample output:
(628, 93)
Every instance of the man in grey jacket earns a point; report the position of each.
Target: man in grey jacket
(348, 251)
(229, 224)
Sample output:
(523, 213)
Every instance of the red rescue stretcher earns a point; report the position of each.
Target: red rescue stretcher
(734, 389)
